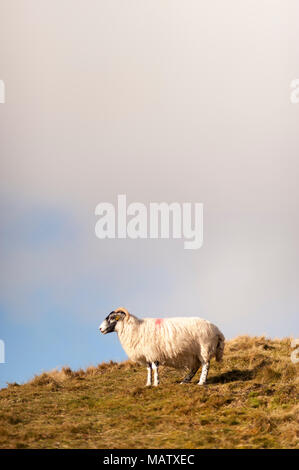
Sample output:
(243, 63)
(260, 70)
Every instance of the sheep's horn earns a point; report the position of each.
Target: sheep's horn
(122, 310)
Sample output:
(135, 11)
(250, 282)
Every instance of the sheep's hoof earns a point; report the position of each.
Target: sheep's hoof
(201, 384)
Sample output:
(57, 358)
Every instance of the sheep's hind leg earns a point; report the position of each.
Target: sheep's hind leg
(204, 373)
(155, 366)
(149, 375)
(190, 376)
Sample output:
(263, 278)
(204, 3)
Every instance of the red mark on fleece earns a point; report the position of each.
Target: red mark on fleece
(158, 321)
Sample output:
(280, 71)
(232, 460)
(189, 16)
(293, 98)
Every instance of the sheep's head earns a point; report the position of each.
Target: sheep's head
(110, 323)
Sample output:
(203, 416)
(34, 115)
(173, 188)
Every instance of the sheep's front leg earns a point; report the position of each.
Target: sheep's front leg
(190, 376)
(149, 374)
(204, 373)
(155, 366)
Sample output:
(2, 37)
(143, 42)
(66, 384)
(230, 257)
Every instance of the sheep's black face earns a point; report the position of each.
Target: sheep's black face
(110, 322)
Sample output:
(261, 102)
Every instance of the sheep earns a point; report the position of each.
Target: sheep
(179, 342)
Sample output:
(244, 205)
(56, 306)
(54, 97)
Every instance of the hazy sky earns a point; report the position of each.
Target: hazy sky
(161, 101)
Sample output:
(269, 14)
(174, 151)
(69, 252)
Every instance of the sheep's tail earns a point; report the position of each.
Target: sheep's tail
(220, 347)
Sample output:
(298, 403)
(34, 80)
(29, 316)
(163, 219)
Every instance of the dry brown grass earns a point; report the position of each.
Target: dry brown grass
(251, 401)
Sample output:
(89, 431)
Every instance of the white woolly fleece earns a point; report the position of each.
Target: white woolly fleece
(180, 342)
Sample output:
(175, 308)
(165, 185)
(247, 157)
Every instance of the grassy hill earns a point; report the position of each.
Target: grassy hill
(251, 401)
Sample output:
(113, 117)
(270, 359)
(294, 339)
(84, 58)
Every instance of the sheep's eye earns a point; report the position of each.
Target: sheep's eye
(114, 317)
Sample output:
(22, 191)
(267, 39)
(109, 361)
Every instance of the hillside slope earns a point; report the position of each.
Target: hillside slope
(251, 401)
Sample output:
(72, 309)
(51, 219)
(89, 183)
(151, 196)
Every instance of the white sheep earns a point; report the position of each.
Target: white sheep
(179, 342)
